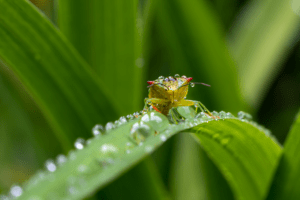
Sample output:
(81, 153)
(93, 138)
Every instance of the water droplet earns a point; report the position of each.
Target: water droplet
(123, 120)
(243, 115)
(16, 191)
(229, 115)
(128, 151)
(163, 138)
(50, 165)
(192, 84)
(156, 120)
(225, 140)
(61, 159)
(88, 141)
(267, 132)
(166, 79)
(161, 78)
(82, 168)
(215, 113)
(129, 117)
(79, 143)
(183, 76)
(203, 116)
(136, 114)
(98, 130)
(108, 149)
(177, 76)
(72, 155)
(72, 190)
(171, 78)
(222, 115)
(148, 149)
(109, 126)
(140, 131)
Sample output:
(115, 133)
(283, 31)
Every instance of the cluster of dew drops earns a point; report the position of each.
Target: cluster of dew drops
(99, 130)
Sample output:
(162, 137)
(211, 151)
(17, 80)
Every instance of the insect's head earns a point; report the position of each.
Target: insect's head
(173, 83)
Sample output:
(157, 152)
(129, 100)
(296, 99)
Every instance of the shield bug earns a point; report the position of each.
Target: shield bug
(170, 92)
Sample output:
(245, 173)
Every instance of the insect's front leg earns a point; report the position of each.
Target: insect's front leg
(150, 101)
(197, 104)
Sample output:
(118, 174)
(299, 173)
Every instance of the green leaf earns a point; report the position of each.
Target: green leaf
(262, 37)
(72, 98)
(286, 182)
(243, 153)
(109, 42)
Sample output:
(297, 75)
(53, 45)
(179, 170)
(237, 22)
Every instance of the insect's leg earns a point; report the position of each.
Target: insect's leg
(150, 101)
(198, 104)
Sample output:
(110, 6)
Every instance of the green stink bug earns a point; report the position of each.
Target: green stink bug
(168, 93)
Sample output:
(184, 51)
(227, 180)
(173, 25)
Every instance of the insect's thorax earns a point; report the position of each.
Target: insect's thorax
(173, 94)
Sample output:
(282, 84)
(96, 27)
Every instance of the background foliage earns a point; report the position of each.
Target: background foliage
(247, 50)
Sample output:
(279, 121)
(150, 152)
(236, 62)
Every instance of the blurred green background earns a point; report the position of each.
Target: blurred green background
(248, 51)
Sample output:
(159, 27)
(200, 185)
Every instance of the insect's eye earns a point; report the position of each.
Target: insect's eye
(150, 82)
(189, 79)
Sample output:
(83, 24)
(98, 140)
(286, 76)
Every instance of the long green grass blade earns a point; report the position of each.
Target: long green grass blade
(245, 156)
(286, 182)
(243, 153)
(70, 95)
(185, 37)
(261, 38)
(106, 34)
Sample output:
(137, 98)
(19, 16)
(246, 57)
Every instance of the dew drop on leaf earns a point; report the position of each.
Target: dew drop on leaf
(16, 191)
(61, 159)
(50, 165)
(98, 130)
(79, 143)
(109, 126)
(243, 115)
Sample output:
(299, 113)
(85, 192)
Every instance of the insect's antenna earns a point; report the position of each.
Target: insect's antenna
(195, 83)
(202, 84)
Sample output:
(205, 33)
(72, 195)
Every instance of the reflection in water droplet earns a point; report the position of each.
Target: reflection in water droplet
(50, 165)
(98, 130)
(16, 191)
(215, 114)
(61, 159)
(140, 131)
(177, 76)
(79, 143)
(192, 84)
